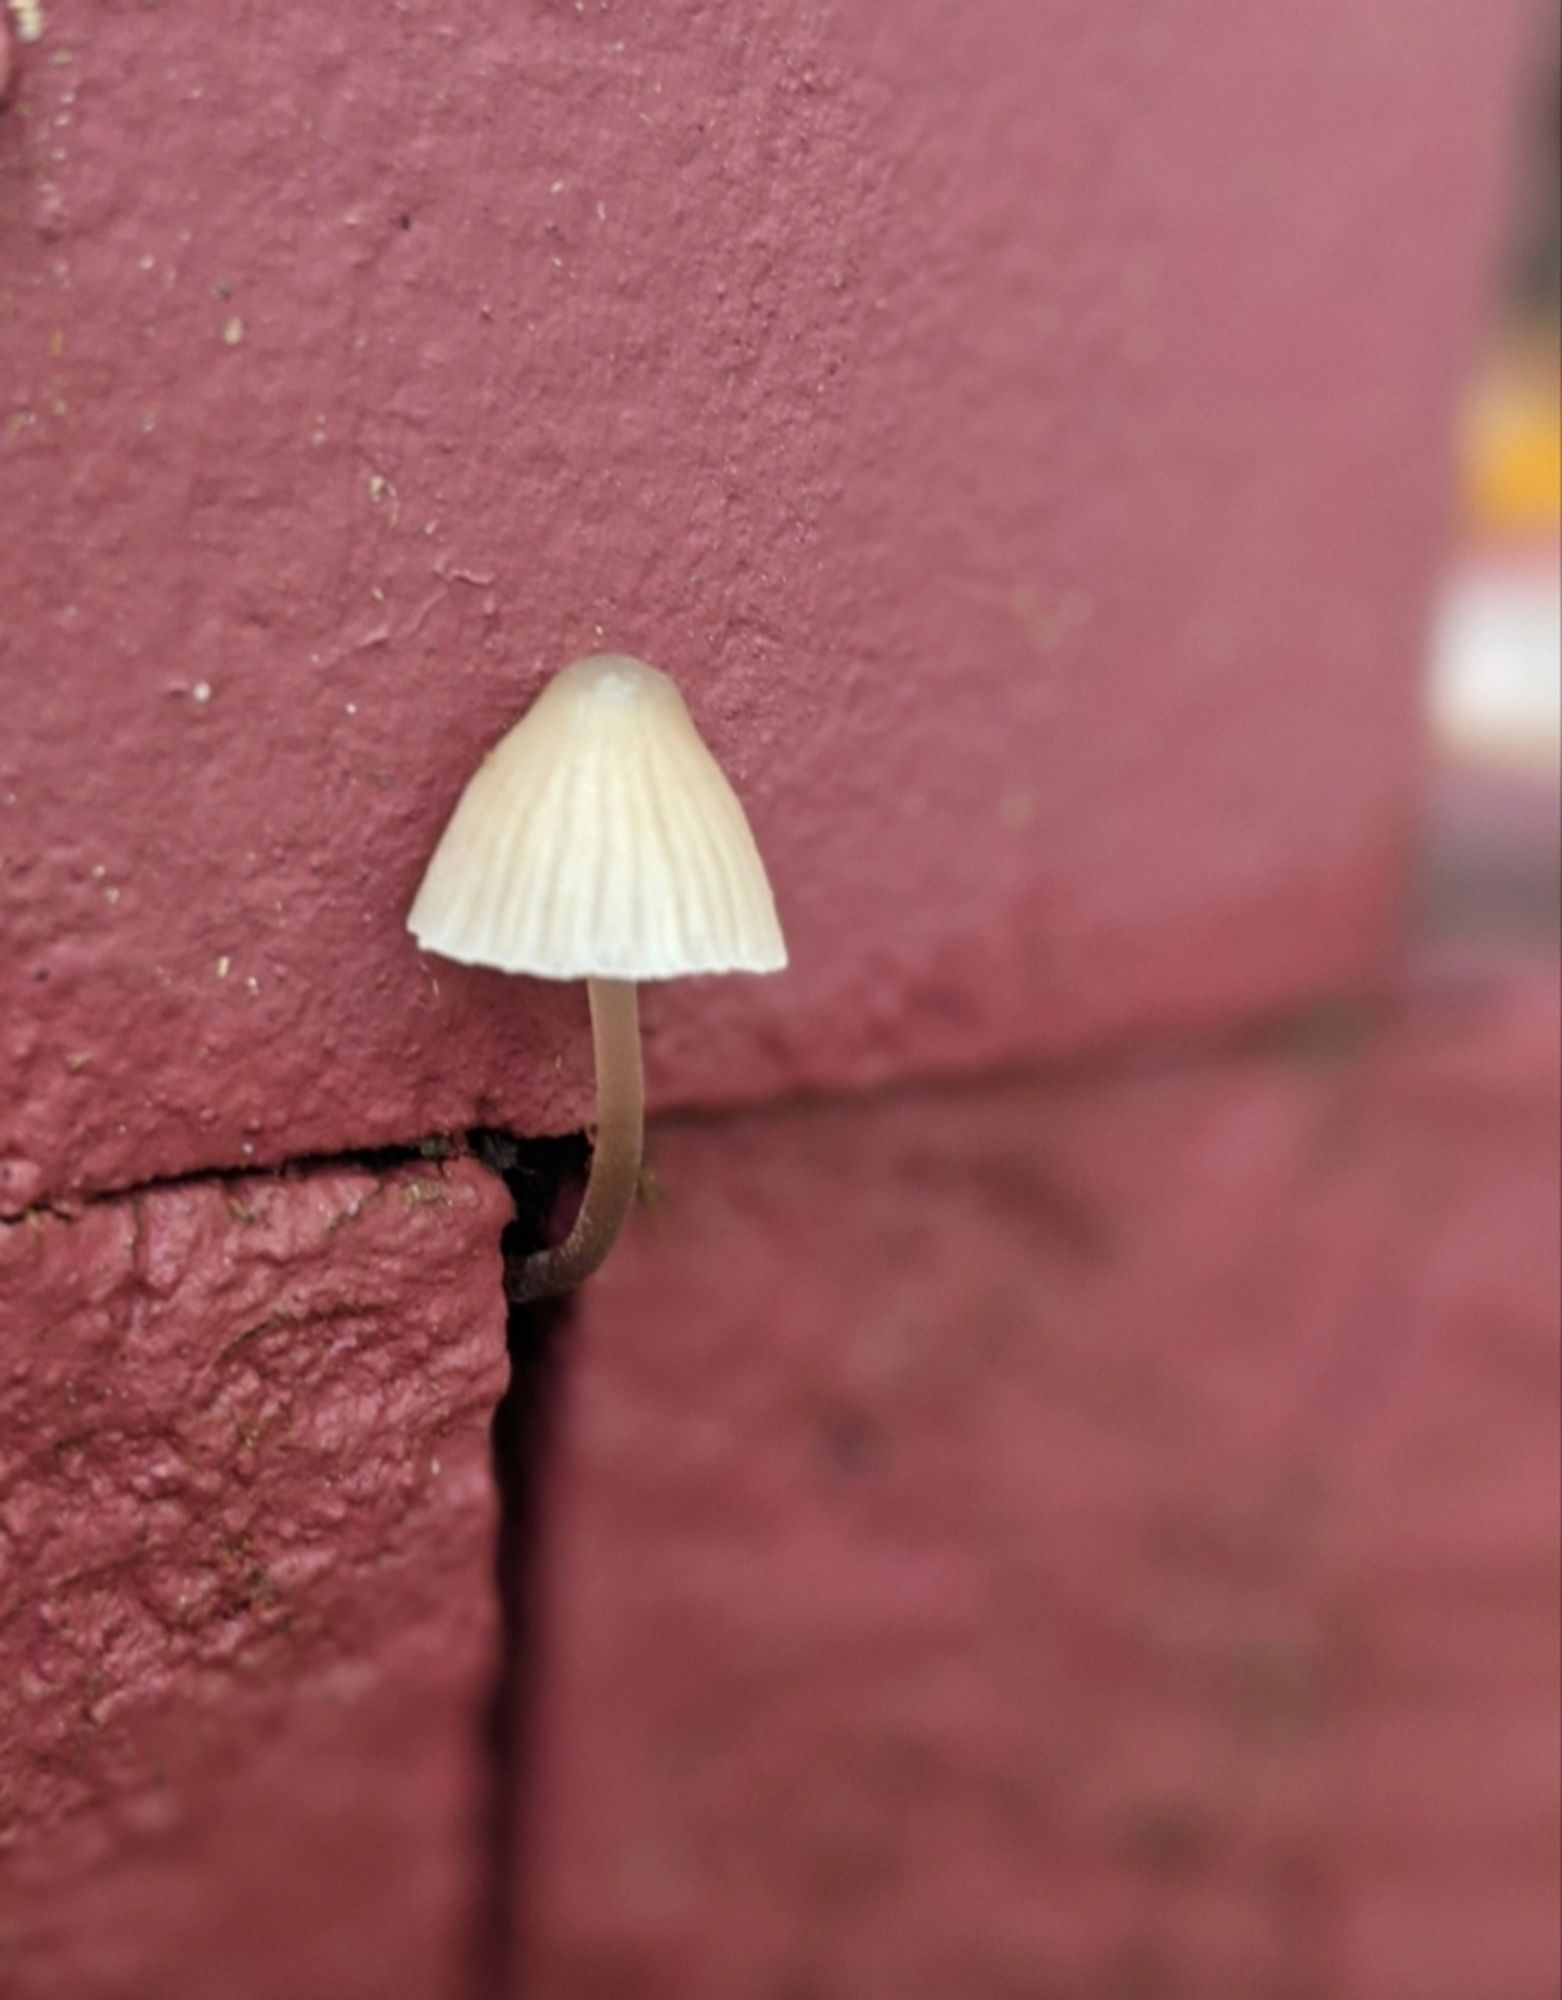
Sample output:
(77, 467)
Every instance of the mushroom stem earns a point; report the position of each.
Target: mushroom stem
(615, 1156)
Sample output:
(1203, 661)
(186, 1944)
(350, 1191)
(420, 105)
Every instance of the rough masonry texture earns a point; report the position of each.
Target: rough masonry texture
(1097, 1534)
(247, 1619)
(1088, 1541)
(1026, 446)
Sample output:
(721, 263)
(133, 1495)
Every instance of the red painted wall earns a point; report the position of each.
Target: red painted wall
(247, 1624)
(1087, 1530)
(1026, 447)
(1080, 1540)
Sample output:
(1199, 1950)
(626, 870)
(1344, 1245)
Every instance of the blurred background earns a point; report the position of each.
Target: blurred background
(1497, 641)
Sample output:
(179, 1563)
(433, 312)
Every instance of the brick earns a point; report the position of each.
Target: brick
(1073, 1539)
(1028, 448)
(247, 1628)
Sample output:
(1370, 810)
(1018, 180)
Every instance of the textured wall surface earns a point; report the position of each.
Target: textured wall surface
(247, 1623)
(1090, 1541)
(1100, 1534)
(1026, 448)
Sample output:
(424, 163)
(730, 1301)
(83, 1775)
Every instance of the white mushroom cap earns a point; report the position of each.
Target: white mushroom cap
(600, 839)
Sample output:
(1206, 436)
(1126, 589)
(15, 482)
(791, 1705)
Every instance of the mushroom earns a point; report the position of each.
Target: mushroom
(599, 840)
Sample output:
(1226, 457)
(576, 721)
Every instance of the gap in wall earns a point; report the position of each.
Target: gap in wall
(539, 1174)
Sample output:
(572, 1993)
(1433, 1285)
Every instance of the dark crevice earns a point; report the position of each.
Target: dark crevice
(537, 1173)
(297, 1166)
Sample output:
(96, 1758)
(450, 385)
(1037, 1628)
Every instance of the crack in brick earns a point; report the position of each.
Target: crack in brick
(524, 1428)
(364, 1159)
(1327, 1030)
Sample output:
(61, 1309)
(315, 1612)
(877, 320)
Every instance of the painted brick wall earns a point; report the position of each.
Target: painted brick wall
(1027, 448)
(1079, 1540)
(979, 1549)
(247, 1617)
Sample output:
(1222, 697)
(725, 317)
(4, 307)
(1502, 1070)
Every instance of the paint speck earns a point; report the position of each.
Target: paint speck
(98, 871)
(28, 16)
(351, 707)
(201, 693)
(602, 211)
(146, 263)
(224, 966)
(111, 894)
(233, 331)
(148, 422)
(557, 188)
(1048, 625)
(252, 985)
(76, 1064)
(379, 486)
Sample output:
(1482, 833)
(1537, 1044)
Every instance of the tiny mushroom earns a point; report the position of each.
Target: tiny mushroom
(599, 840)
